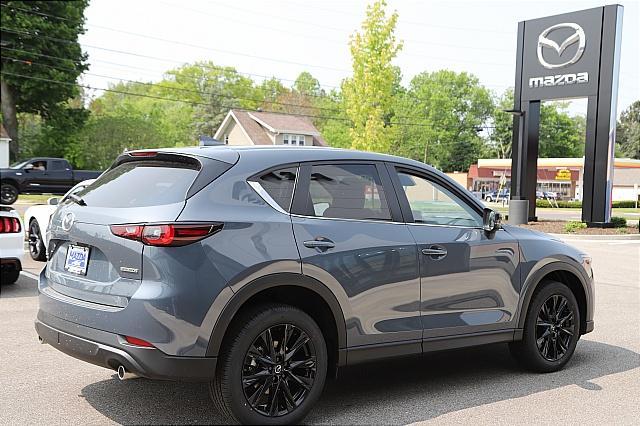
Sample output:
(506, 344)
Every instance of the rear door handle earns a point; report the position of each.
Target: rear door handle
(322, 244)
(436, 252)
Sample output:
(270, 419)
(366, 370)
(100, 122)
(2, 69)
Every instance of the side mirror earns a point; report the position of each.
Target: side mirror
(53, 201)
(491, 220)
(28, 167)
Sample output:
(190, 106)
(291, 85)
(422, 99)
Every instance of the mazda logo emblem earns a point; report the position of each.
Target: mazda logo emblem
(577, 37)
(67, 221)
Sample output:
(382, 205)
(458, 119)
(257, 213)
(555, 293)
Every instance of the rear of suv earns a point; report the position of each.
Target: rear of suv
(261, 271)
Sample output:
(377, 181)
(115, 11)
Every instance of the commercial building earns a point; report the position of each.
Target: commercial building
(561, 175)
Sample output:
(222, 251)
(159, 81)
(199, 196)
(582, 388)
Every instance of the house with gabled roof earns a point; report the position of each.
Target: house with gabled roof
(242, 127)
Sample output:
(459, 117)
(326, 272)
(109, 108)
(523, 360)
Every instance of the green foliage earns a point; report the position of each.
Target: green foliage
(39, 96)
(565, 204)
(499, 144)
(628, 132)
(106, 137)
(574, 225)
(561, 135)
(369, 93)
(618, 222)
(449, 109)
(307, 84)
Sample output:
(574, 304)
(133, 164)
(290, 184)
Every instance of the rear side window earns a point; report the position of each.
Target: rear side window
(58, 165)
(141, 184)
(279, 185)
(349, 191)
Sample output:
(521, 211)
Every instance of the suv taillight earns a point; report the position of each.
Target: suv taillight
(166, 235)
(9, 225)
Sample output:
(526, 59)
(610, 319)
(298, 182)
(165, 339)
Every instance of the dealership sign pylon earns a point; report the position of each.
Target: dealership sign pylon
(573, 55)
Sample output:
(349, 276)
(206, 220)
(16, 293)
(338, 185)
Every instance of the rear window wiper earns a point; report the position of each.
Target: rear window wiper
(78, 200)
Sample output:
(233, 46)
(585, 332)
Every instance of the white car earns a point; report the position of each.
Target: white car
(37, 220)
(11, 245)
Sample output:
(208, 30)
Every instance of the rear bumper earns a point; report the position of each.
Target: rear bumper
(110, 350)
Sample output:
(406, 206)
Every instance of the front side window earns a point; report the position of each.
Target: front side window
(433, 204)
(279, 185)
(349, 191)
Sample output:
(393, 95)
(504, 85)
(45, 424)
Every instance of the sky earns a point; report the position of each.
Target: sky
(141, 39)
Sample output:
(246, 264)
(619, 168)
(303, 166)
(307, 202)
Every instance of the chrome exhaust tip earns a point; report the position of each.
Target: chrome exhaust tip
(123, 374)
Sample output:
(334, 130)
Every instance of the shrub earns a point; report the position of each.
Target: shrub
(624, 204)
(566, 204)
(574, 225)
(619, 222)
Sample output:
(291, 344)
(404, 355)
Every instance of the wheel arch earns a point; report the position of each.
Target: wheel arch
(298, 290)
(562, 272)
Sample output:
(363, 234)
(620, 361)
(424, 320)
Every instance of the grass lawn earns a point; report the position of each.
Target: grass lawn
(34, 198)
(627, 213)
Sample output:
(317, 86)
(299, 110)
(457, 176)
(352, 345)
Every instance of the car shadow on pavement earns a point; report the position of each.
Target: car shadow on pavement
(389, 392)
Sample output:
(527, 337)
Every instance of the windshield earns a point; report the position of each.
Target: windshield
(141, 184)
(19, 165)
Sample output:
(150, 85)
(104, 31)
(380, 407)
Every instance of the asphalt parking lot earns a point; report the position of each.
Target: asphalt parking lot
(601, 385)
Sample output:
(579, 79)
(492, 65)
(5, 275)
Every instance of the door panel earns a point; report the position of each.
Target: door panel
(468, 277)
(349, 233)
(376, 264)
(473, 287)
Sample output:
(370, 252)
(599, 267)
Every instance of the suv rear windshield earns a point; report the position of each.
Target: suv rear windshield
(141, 184)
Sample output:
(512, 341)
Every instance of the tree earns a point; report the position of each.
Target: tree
(31, 36)
(561, 135)
(369, 93)
(499, 144)
(307, 84)
(106, 137)
(445, 112)
(628, 132)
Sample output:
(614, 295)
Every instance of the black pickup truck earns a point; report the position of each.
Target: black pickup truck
(40, 176)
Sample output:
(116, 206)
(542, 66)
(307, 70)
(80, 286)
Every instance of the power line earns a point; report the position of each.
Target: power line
(202, 12)
(229, 52)
(180, 89)
(199, 64)
(477, 128)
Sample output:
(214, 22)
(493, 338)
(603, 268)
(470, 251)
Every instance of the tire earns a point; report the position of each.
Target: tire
(550, 334)
(238, 393)
(8, 193)
(10, 277)
(36, 245)
(488, 199)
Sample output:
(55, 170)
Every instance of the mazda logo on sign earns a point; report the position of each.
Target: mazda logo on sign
(545, 42)
(67, 221)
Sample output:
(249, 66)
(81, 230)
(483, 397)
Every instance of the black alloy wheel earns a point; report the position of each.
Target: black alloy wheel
(555, 328)
(551, 329)
(8, 193)
(271, 368)
(279, 370)
(36, 245)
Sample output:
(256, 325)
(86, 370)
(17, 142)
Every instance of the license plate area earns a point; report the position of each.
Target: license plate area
(77, 260)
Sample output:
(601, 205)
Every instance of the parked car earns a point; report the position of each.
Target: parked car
(264, 270)
(550, 195)
(495, 196)
(40, 176)
(11, 245)
(37, 220)
(539, 195)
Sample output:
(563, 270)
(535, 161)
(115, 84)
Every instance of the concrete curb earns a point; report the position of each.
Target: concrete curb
(621, 237)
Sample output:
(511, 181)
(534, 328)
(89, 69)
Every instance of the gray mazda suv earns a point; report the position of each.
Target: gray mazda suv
(264, 270)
